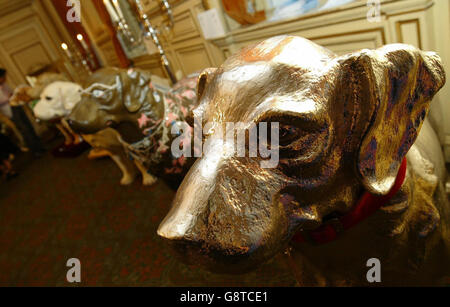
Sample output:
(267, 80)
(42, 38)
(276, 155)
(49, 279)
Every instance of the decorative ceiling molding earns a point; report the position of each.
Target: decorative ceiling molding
(8, 6)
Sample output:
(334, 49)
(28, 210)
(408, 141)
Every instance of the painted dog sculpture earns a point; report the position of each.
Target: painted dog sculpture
(144, 115)
(53, 110)
(57, 101)
(346, 124)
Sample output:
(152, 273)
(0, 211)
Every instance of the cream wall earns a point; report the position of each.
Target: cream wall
(31, 33)
(25, 39)
(440, 17)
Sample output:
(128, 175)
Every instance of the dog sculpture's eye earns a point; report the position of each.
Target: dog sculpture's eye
(48, 98)
(98, 93)
(289, 134)
(303, 143)
(300, 137)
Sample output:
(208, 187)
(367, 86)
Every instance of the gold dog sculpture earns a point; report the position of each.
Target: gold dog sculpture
(342, 188)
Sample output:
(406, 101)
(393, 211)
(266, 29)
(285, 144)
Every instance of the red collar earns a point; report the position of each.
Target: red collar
(365, 207)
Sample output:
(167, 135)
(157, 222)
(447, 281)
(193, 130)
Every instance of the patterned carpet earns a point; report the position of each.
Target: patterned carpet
(75, 208)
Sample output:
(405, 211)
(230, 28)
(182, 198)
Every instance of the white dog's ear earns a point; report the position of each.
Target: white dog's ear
(71, 95)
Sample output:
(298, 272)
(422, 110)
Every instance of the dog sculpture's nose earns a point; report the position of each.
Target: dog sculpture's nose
(192, 198)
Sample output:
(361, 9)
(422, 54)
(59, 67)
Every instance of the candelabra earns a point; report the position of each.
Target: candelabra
(120, 23)
(150, 32)
(75, 58)
(165, 6)
(88, 56)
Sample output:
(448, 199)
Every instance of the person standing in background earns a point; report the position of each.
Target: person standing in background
(15, 111)
(7, 151)
(5, 94)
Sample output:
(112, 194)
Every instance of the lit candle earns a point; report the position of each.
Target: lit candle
(111, 10)
(83, 42)
(118, 9)
(66, 50)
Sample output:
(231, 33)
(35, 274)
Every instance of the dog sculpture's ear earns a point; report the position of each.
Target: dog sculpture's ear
(71, 95)
(396, 85)
(145, 78)
(203, 79)
(135, 89)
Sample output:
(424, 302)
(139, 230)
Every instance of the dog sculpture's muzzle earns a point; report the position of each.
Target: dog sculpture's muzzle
(227, 211)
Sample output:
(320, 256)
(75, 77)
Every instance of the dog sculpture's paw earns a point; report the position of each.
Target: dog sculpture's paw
(149, 180)
(97, 153)
(127, 180)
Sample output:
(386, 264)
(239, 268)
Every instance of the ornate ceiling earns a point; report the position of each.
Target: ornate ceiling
(8, 6)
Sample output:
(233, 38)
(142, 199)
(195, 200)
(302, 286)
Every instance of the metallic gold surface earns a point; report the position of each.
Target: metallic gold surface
(345, 124)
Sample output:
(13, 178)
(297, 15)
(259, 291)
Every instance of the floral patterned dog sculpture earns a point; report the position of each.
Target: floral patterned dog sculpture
(144, 115)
